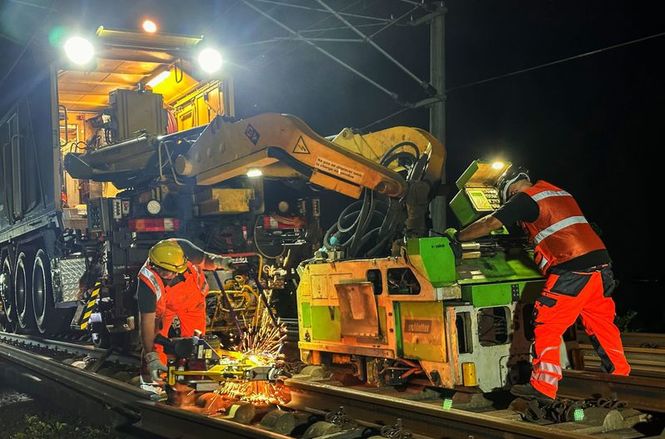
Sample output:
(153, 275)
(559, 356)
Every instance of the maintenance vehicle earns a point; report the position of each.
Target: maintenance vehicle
(106, 153)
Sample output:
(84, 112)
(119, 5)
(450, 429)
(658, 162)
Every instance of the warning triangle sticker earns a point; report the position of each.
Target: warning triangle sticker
(300, 147)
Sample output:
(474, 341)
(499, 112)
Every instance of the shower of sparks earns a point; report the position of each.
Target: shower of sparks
(261, 345)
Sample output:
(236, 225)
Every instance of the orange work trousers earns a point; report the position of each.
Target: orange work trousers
(192, 316)
(565, 297)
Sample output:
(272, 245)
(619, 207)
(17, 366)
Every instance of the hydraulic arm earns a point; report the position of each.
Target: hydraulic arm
(270, 141)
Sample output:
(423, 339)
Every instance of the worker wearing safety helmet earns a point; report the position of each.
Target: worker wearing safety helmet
(579, 278)
(172, 284)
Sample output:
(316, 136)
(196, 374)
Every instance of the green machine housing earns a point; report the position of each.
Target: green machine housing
(499, 283)
(477, 194)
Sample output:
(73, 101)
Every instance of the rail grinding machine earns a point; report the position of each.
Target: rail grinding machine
(462, 320)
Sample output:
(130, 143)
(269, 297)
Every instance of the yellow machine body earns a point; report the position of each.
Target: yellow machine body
(378, 309)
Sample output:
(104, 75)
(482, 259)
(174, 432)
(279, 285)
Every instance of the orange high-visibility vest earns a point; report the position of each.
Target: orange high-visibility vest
(561, 232)
(181, 296)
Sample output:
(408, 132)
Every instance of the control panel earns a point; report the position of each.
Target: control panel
(478, 194)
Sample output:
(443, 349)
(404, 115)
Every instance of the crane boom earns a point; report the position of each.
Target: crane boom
(229, 149)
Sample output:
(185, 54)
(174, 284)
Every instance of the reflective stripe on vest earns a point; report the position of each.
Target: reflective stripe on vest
(558, 226)
(150, 276)
(560, 232)
(546, 194)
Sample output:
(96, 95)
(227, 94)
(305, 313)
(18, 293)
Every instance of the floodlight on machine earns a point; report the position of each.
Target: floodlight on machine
(149, 26)
(498, 165)
(79, 50)
(254, 172)
(159, 78)
(210, 60)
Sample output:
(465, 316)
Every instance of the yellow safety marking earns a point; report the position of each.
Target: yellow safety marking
(87, 315)
(91, 304)
(84, 325)
(95, 293)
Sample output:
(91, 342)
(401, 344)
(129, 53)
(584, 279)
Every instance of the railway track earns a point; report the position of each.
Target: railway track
(645, 353)
(316, 408)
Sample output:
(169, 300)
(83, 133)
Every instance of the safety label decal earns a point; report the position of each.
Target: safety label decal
(301, 147)
(333, 168)
(418, 326)
(252, 134)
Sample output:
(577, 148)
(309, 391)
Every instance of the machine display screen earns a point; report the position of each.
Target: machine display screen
(483, 199)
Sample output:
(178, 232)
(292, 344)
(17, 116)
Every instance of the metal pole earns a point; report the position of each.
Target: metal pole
(437, 112)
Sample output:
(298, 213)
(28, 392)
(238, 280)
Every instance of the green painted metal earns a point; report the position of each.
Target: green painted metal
(463, 209)
(488, 294)
(305, 315)
(497, 268)
(398, 329)
(328, 323)
(499, 294)
(434, 259)
(480, 173)
(467, 175)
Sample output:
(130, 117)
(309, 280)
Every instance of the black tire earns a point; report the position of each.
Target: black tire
(22, 293)
(47, 318)
(8, 320)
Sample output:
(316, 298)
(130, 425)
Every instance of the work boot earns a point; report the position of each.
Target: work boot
(527, 391)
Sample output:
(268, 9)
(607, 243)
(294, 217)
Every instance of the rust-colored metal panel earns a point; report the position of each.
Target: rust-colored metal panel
(358, 309)
(423, 331)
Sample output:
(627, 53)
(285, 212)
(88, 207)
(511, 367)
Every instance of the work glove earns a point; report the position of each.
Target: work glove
(452, 234)
(154, 365)
(222, 262)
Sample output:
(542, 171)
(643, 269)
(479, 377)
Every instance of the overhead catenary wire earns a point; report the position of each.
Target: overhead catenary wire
(553, 63)
(407, 107)
(28, 43)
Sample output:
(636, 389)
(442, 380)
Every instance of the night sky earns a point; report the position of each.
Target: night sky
(593, 125)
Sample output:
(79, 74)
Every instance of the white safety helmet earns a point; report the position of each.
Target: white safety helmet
(512, 175)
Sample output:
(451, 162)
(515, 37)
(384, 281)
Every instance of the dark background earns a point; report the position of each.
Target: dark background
(592, 125)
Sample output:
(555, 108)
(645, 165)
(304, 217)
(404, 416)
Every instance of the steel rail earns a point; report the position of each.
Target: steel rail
(642, 393)
(129, 401)
(644, 362)
(69, 347)
(418, 417)
(632, 339)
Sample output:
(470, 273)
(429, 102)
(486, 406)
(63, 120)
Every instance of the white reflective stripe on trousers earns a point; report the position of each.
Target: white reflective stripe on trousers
(546, 378)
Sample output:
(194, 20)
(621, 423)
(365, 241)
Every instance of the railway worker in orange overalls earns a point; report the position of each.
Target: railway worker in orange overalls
(172, 284)
(579, 279)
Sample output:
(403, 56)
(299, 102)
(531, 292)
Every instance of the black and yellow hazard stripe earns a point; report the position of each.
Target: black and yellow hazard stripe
(90, 306)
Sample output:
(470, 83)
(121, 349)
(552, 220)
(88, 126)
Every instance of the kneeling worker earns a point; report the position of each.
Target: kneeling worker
(172, 283)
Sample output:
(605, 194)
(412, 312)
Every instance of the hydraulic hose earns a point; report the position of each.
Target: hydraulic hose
(374, 220)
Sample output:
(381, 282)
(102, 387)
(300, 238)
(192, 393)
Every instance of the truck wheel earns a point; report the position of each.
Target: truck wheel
(46, 316)
(8, 320)
(22, 294)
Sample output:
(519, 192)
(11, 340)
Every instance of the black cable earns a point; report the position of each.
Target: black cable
(177, 68)
(375, 218)
(517, 72)
(559, 61)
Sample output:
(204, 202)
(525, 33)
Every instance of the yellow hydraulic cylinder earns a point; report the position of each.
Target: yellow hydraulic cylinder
(469, 377)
